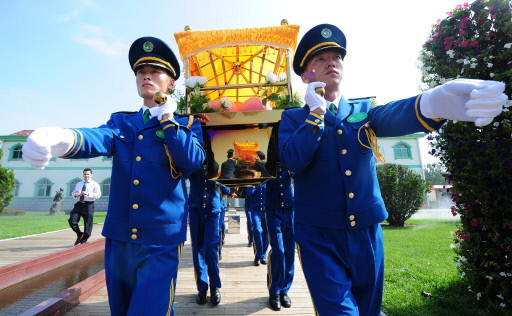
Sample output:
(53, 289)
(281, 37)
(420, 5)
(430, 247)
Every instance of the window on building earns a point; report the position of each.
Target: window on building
(16, 153)
(402, 151)
(72, 185)
(105, 188)
(44, 188)
(16, 190)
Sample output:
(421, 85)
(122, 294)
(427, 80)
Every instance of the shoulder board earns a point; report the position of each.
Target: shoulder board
(361, 99)
(126, 112)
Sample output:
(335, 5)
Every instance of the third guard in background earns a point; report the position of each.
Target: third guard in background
(279, 211)
(259, 224)
(204, 215)
(224, 193)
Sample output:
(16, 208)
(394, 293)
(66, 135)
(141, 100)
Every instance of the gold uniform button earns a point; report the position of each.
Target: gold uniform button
(281, 185)
(348, 173)
(134, 236)
(344, 152)
(135, 206)
(351, 195)
(134, 230)
(121, 136)
(352, 223)
(340, 132)
(351, 217)
(138, 158)
(136, 182)
(317, 120)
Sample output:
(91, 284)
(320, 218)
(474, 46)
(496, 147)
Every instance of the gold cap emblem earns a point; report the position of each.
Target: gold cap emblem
(147, 46)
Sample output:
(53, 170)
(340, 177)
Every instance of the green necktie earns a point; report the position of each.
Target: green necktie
(145, 116)
(333, 109)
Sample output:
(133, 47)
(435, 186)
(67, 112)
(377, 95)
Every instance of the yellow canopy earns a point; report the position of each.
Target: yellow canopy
(235, 62)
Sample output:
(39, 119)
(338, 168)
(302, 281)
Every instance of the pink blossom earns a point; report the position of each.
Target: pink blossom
(463, 237)
(465, 20)
(456, 42)
(497, 235)
(479, 20)
(447, 40)
(493, 16)
(510, 225)
(473, 43)
(484, 229)
(449, 13)
(474, 223)
(455, 214)
(461, 32)
(466, 5)
(501, 246)
(459, 6)
(447, 47)
(477, 201)
(491, 34)
(462, 25)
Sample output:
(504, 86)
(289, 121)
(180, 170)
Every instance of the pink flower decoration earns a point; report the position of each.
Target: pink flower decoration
(455, 214)
(501, 246)
(461, 32)
(462, 25)
(484, 229)
(510, 225)
(465, 20)
(473, 43)
(466, 5)
(449, 13)
(447, 47)
(463, 237)
(456, 42)
(447, 40)
(474, 223)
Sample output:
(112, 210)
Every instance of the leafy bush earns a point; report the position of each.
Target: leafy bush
(403, 192)
(6, 185)
(13, 212)
(475, 41)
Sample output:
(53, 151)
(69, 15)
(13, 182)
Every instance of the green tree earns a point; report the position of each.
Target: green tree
(475, 41)
(435, 174)
(403, 192)
(6, 185)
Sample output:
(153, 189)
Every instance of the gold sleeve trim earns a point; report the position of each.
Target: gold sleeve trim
(418, 116)
(318, 116)
(74, 149)
(190, 120)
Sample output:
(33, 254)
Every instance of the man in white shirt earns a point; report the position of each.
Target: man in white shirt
(85, 193)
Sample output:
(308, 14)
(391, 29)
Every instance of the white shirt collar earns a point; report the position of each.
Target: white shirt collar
(153, 110)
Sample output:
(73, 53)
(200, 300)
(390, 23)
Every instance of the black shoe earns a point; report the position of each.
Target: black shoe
(274, 302)
(214, 296)
(78, 237)
(220, 257)
(84, 239)
(201, 298)
(256, 261)
(285, 300)
(263, 261)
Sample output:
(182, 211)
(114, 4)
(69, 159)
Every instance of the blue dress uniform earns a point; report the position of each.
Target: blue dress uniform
(338, 205)
(146, 222)
(247, 207)
(279, 209)
(224, 192)
(205, 208)
(259, 225)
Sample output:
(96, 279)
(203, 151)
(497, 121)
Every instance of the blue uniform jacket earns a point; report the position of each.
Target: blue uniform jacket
(204, 193)
(148, 201)
(335, 178)
(257, 198)
(279, 190)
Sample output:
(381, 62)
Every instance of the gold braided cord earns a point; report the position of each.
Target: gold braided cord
(175, 174)
(372, 140)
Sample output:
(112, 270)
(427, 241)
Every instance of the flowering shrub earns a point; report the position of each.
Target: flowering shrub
(475, 41)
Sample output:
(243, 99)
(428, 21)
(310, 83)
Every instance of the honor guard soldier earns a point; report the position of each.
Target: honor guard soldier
(279, 211)
(153, 152)
(329, 145)
(259, 224)
(204, 215)
(224, 193)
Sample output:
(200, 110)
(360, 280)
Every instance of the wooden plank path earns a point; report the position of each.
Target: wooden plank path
(244, 286)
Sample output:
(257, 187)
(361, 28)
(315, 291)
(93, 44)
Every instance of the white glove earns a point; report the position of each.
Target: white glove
(313, 99)
(46, 143)
(470, 100)
(168, 107)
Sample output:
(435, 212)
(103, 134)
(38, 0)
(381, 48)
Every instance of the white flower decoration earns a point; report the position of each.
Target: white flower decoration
(478, 295)
(503, 305)
(508, 45)
(473, 65)
(271, 77)
(491, 75)
(193, 81)
(489, 277)
(499, 296)
(282, 76)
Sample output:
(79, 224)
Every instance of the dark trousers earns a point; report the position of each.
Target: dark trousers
(86, 211)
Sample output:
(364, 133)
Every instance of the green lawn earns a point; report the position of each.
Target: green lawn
(38, 222)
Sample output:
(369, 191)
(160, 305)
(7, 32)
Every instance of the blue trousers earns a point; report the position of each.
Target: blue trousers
(280, 267)
(141, 279)
(344, 269)
(259, 234)
(205, 239)
(222, 229)
(248, 217)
